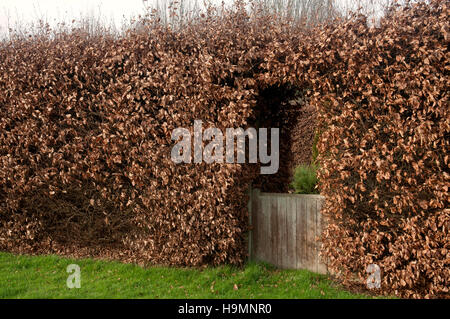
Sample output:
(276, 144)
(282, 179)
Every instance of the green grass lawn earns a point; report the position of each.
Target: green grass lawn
(46, 276)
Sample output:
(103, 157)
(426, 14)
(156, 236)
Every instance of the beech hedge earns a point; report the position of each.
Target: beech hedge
(86, 123)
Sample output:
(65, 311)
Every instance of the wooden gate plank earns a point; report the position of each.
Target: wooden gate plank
(266, 237)
(301, 233)
(274, 229)
(321, 268)
(282, 229)
(311, 234)
(291, 231)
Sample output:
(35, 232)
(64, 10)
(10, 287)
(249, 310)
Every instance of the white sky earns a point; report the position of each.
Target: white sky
(28, 11)
(25, 12)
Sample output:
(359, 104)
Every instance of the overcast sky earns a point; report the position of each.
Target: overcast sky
(27, 11)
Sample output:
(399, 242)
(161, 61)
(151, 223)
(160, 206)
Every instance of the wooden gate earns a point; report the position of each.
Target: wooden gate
(286, 229)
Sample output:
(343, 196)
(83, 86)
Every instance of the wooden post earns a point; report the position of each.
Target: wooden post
(250, 223)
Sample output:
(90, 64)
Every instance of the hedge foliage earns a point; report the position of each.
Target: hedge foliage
(384, 149)
(85, 139)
